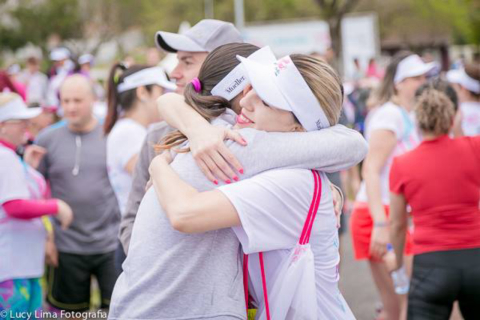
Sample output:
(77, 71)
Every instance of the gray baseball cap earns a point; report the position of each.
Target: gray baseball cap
(205, 36)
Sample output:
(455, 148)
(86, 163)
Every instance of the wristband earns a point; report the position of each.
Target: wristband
(380, 224)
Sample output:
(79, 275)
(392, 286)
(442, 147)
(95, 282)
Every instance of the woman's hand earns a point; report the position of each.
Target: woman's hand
(206, 141)
(164, 158)
(212, 155)
(338, 200)
(379, 240)
(390, 261)
(65, 214)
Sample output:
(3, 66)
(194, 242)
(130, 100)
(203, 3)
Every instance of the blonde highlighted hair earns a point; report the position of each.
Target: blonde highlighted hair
(324, 83)
(434, 112)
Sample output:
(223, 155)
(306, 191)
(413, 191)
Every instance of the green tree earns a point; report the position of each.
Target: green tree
(34, 21)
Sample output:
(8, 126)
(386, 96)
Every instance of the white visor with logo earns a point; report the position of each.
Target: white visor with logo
(148, 76)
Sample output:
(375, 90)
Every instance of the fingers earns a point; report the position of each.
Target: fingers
(206, 171)
(378, 250)
(230, 159)
(214, 166)
(235, 136)
(216, 170)
(224, 166)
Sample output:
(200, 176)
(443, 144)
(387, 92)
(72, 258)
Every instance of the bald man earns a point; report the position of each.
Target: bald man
(75, 165)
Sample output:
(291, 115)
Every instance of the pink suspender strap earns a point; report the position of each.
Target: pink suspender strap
(264, 284)
(307, 228)
(245, 279)
(304, 239)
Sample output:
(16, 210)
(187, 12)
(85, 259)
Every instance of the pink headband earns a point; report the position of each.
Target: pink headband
(197, 85)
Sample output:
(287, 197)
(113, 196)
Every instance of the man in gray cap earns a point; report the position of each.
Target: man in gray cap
(191, 48)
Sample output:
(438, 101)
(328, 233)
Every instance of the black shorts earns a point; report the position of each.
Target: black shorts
(69, 283)
(441, 278)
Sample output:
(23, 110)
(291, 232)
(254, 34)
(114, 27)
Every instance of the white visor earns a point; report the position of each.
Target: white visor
(85, 58)
(281, 85)
(148, 76)
(462, 78)
(17, 110)
(411, 66)
(237, 79)
(59, 54)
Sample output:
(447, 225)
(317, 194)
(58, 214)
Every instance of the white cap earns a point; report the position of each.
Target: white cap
(85, 58)
(411, 66)
(282, 86)
(17, 110)
(462, 78)
(59, 54)
(285, 90)
(205, 36)
(237, 79)
(148, 76)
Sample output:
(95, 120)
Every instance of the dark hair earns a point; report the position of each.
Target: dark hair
(122, 101)
(442, 86)
(386, 90)
(216, 66)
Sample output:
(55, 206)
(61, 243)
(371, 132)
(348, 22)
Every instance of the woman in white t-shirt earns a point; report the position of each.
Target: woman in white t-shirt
(466, 83)
(132, 95)
(23, 191)
(390, 131)
(268, 211)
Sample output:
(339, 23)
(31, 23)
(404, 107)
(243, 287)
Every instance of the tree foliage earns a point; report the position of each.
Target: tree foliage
(33, 21)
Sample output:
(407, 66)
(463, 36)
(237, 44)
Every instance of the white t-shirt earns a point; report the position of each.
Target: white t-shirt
(272, 207)
(396, 119)
(22, 242)
(37, 84)
(123, 142)
(471, 118)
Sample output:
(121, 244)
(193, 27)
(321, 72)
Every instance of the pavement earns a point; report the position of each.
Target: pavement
(356, 283)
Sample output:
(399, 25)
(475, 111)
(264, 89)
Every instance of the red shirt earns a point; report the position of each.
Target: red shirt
(440, 180)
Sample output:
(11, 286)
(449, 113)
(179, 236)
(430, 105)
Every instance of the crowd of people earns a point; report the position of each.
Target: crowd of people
(215, 191)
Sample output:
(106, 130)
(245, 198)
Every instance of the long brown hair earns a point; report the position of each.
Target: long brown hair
(216, 66)
(120, 101)
(324, 83)
(386, 90)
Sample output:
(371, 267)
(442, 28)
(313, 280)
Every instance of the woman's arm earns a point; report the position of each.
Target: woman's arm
(398, 225)
(206, 141)
(188, 210)
(382, 144)
(329, 150)
(30, 209)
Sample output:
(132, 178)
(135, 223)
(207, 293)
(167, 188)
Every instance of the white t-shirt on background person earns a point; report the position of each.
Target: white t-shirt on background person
(396, 119)
(273, 207)
(470, 118)
(123, 142)
(22, 241)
